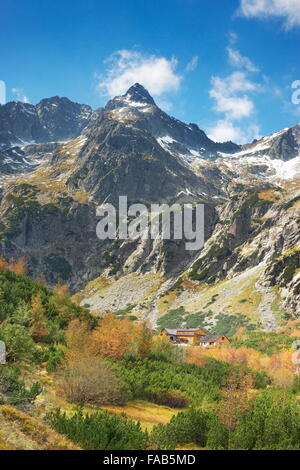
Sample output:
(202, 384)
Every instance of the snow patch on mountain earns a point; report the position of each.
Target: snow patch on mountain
(275, 169)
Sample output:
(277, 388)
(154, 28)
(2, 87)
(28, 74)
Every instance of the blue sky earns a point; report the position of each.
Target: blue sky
(227, 65)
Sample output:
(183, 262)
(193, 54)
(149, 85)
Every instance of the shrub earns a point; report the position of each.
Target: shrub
(163, 350)
(38, 324)
(172, 398)
(17, 291)
(37, 431)
(13, 389)
(273, 422)
(54, 359)
(218, 434)
(186, 427)
(194, 382)
(87, 380)
(19, 343)
(100, 431)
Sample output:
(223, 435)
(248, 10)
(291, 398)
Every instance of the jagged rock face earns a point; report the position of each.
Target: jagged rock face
(140, 151)
(282, 145)
(137, 96)
(125, 160)
(285, 146)
(133, 148)
(13, 160)
(59, 240)
(62, 119)
(186, 141)
(256, 229)
(52, 119)
(18, 123)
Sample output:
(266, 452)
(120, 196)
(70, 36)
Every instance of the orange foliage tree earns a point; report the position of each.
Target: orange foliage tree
(77, 339)
(144, 339)
(116, 338)
(61, 289)
(18, 266)
(279, 366)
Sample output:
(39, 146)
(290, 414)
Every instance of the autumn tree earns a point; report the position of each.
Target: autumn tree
(61, 289)
(18, 266)
(78, 338)
(113, 337)
(144, 340)
(38, 324)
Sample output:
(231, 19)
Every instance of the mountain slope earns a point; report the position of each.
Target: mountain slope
(131, 147)
(52, 119)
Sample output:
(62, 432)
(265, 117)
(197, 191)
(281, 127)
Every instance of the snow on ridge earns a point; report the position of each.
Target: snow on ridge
(260, 146)
(276, 169)
(166, 139)
(287, 170)
(244, 153)
(191, 154)
(132, 102)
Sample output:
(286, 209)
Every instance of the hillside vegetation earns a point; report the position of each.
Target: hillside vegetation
(77, 380)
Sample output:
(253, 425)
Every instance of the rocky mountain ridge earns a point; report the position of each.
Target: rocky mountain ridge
(131, 147)
(52, 119)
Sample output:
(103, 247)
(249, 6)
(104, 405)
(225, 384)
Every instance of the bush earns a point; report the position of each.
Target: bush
(17, 292)
(272, 423)
(54, 359)
(190, 426)
(13, 389)
(194, 382)
(100, 431)
(87, 380)
(172, 398)
(18, 340)
(218, 434)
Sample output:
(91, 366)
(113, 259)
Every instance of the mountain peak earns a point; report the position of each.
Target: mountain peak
(138, 93)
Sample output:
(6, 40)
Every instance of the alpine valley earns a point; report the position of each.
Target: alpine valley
(59, 160)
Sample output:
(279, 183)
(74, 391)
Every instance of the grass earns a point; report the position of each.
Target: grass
(26, 432)
(191, 446)
(276, 307)
(247, 301)
(148, 414)
(270, 195)
(97, 285)
(81, 196)
(163, 303)
(4, 446)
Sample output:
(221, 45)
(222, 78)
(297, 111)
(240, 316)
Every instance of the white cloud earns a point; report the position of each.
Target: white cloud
(192, 65)
(236, 59)
(157, 74)
(232, 97)
(225, 130)
(19, 95)
(289, 10)
(227, 95)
